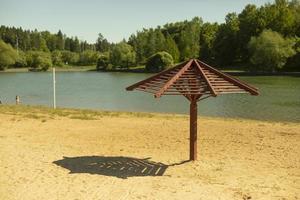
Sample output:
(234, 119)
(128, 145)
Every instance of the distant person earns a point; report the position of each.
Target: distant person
(17, 100)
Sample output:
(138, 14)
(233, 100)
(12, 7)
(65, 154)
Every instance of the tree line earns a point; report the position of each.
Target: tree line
(264, 38)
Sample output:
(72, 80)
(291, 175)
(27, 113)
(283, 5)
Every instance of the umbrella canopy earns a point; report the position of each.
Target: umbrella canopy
(195, 80)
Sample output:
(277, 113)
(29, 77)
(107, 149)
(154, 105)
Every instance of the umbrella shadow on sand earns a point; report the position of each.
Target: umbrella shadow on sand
(120, 167)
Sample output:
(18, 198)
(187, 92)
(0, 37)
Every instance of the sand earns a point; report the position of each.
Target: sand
(142, 156)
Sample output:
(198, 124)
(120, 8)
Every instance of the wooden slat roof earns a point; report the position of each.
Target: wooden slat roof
(192, 78)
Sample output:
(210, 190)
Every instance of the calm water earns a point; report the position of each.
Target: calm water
(279, 99)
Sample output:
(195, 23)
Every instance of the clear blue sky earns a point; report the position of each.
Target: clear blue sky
(115, 19)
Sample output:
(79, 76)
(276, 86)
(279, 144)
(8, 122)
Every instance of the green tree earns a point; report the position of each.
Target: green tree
(147, 42)
(39, 60)
(68, 42)
(225, 47)
(60, 44)
(69, 57)
(150, 45)
(103, 62)
(57, 58)
(293, 63)
(283, 19)
(50, 40)
(139, 42)
(102, 44)
(88, 57)
(122, 55)
(8, 55)
(75, 45)
(278, 17)
(171, 48)
(21, 60)
(38, 42)
(248, 27)
(159, 40)
(207, 39)
(270, 51)
(159, 61)
(189, 39)
(294, 6)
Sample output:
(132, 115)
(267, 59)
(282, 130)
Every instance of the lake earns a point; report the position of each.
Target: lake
(279, 98)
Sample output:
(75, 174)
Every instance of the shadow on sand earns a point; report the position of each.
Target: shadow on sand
(120, 167)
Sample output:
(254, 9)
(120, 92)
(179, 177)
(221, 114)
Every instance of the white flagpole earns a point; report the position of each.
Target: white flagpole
(54, 85)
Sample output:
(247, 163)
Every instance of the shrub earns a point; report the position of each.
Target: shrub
(159, 61)
(8, 55)
(39, 60)
(88, 57)
(270, 51)
(103, 62)
(122, 55)
(21, 60)
(57, 58)
(69, 57)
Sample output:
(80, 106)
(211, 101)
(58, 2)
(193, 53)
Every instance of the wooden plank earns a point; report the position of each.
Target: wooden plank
(221, 84)
(188, 76)
(230, 90)
(185, 95)
(188, 93)
(227, 86)
(148, 89)
(132, 87)
(234, 92)
(206, 79)
(217, 79)
(173, 79)
(194, 78)
(252, 90)
(191, 84)
(155, 82)
(186, 90)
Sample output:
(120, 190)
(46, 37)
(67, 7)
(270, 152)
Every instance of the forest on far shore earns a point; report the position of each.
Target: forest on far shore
(265, 38)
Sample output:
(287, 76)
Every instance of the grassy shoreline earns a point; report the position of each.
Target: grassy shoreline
(43, 112)
(37, 112)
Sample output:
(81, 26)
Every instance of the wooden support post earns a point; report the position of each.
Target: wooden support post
(54, 88)
(193, 130)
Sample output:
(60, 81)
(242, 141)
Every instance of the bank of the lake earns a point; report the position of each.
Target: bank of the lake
(141, 69)
(83, 154)
(59, 69)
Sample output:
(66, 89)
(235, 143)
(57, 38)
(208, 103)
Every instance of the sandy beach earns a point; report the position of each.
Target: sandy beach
(76, 154)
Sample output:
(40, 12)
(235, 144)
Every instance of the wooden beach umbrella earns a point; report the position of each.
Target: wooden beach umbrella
(196, 81)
